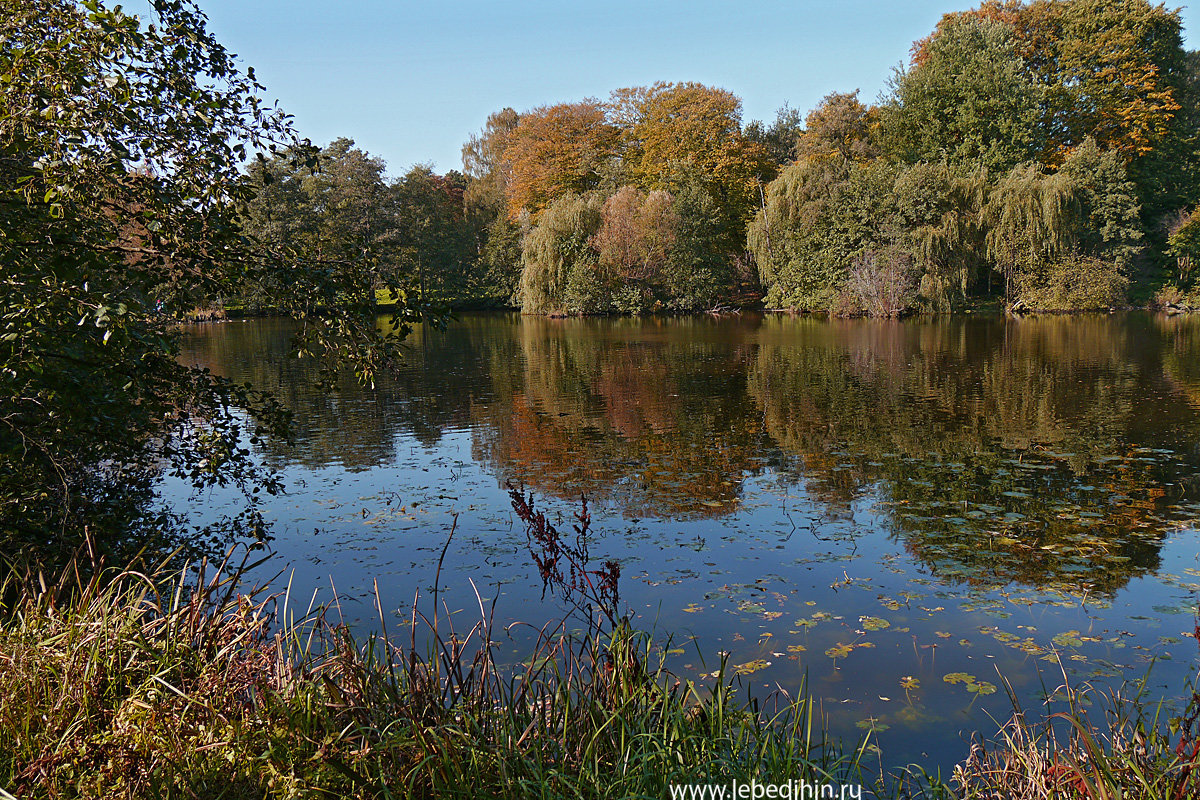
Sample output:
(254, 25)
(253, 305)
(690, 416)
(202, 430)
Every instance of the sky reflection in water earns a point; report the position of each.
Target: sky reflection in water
(876, 505)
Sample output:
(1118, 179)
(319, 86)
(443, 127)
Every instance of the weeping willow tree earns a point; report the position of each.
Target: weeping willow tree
(941, 212)
(560, 271)
(1039, 235)
(818, 217)
(1031, 221)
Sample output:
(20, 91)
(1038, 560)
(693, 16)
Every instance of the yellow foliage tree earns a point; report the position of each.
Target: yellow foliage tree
(672, 130)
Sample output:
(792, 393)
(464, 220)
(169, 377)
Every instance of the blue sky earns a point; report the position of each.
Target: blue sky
(409, 81)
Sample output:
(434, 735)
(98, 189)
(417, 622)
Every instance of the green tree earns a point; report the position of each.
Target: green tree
(560, 271)
(433, 238)
(122, 148)
(1183, 246)
(820, 216)
(499, 263)
(483, 164)
(497, 238)
(1031, 222)
(779, 140)
(1110, 225)
(970, 98)
(940, 212)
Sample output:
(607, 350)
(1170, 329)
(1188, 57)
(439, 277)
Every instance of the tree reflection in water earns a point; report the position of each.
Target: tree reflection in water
(1049, 451)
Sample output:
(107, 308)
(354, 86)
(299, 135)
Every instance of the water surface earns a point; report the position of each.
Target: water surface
(903, 512)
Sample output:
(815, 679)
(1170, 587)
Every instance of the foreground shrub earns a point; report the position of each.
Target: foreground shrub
(1071, 283)
(1104, 744)
(1173, 297)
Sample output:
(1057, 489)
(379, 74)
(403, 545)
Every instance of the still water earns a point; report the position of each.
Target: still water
(909, 514)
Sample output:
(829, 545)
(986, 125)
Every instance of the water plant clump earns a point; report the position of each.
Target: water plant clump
(1106, 743)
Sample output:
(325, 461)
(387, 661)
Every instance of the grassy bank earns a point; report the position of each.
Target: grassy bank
(140, 684)
(145, 684)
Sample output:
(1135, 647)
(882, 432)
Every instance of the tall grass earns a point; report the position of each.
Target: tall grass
(145, 683)
(1107, 743)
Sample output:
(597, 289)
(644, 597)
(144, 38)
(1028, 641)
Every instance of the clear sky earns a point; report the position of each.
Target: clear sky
(410, 81)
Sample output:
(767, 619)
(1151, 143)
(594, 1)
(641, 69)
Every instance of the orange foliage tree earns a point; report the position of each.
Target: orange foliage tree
(672, 129)
(556, 150)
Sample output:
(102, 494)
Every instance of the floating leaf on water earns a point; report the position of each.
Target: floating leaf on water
(943, 634)
(692, 608)
(871, 724)
(751, 667)
(796, 648)
(958, 677)
(1172, 609)
(874, 623)
(909, 684)
(1029, 646)
(981, 687)
(840, 651)
(1068, 639)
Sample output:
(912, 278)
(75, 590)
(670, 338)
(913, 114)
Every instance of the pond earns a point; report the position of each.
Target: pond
(908, 515)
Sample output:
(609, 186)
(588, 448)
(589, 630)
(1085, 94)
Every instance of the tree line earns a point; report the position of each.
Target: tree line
(1043, 153)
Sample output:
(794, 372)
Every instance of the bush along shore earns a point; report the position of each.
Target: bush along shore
(148, 682)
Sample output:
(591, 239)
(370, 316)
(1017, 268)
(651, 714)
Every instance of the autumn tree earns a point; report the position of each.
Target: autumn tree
(671, 130)
(840, 127)
(637, 233)
(556, 150)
